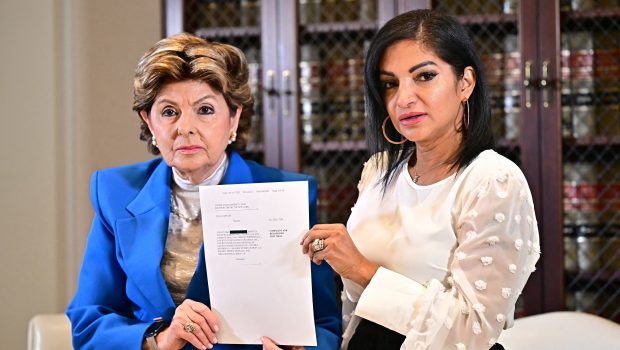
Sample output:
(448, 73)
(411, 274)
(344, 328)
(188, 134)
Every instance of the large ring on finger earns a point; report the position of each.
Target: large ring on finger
(318, 244)
(189, 327)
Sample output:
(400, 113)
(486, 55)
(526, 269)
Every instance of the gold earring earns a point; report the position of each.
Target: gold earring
(466, 121)
(386, 136)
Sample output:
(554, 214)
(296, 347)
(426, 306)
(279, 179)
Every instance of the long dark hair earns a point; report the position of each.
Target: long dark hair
(449, 40)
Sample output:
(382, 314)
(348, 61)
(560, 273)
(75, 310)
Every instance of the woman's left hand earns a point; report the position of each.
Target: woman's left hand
(340, 253)
(269, 344)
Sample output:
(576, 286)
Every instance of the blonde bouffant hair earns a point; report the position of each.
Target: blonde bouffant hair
(187, 57)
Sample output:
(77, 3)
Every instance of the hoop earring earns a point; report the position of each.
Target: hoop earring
(386, 136)
(466, 121)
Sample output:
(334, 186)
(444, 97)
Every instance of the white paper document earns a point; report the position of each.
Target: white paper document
(259, 280)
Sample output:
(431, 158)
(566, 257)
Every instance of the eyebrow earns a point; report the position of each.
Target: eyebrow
(412, 69)
(205, 97)
(200, 100)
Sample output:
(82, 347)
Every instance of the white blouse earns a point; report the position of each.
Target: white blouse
(454, 255)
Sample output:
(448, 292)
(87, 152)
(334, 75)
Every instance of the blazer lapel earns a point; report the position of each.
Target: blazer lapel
(238, 172)
(142, 239)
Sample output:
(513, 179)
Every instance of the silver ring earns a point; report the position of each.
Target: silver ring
(318, 244)
(189, 327)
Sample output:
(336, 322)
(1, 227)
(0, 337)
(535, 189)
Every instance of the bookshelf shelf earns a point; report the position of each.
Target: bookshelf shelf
(332, 27)
(331, 146)
(219, 32)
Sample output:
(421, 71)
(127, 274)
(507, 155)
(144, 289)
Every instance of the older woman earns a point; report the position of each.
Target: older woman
(143, 281)
(443, 235)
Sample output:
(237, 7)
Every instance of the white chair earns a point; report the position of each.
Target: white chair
(49, 332)
(565, 330)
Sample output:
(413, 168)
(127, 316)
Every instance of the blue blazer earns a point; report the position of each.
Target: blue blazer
(121, 288)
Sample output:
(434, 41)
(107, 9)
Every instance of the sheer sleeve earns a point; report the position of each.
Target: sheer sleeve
(497, 246)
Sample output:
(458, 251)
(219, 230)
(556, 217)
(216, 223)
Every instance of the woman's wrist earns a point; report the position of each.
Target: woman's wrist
(159, 339)
(365, 273)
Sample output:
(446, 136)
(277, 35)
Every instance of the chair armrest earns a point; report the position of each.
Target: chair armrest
(565, 330)
(49, 332)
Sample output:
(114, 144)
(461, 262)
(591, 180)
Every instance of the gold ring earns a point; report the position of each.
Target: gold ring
(189, 327)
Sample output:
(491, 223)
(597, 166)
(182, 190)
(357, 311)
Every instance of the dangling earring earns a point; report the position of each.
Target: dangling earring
(153, 141)
(232, 138)
(466, 120)
(386, 136)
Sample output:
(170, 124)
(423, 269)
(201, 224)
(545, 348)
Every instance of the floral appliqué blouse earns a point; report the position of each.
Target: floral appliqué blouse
(454, 255)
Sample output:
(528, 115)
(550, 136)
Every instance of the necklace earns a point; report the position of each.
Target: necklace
(174, 208)
(415, 177)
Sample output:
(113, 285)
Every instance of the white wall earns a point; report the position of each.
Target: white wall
(66, 72)
(28, 194)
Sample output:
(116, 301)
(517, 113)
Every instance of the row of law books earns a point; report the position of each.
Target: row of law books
(590, 83)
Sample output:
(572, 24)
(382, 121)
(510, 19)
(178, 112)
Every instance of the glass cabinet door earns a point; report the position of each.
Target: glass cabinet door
(333, 36)
(590, 94)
